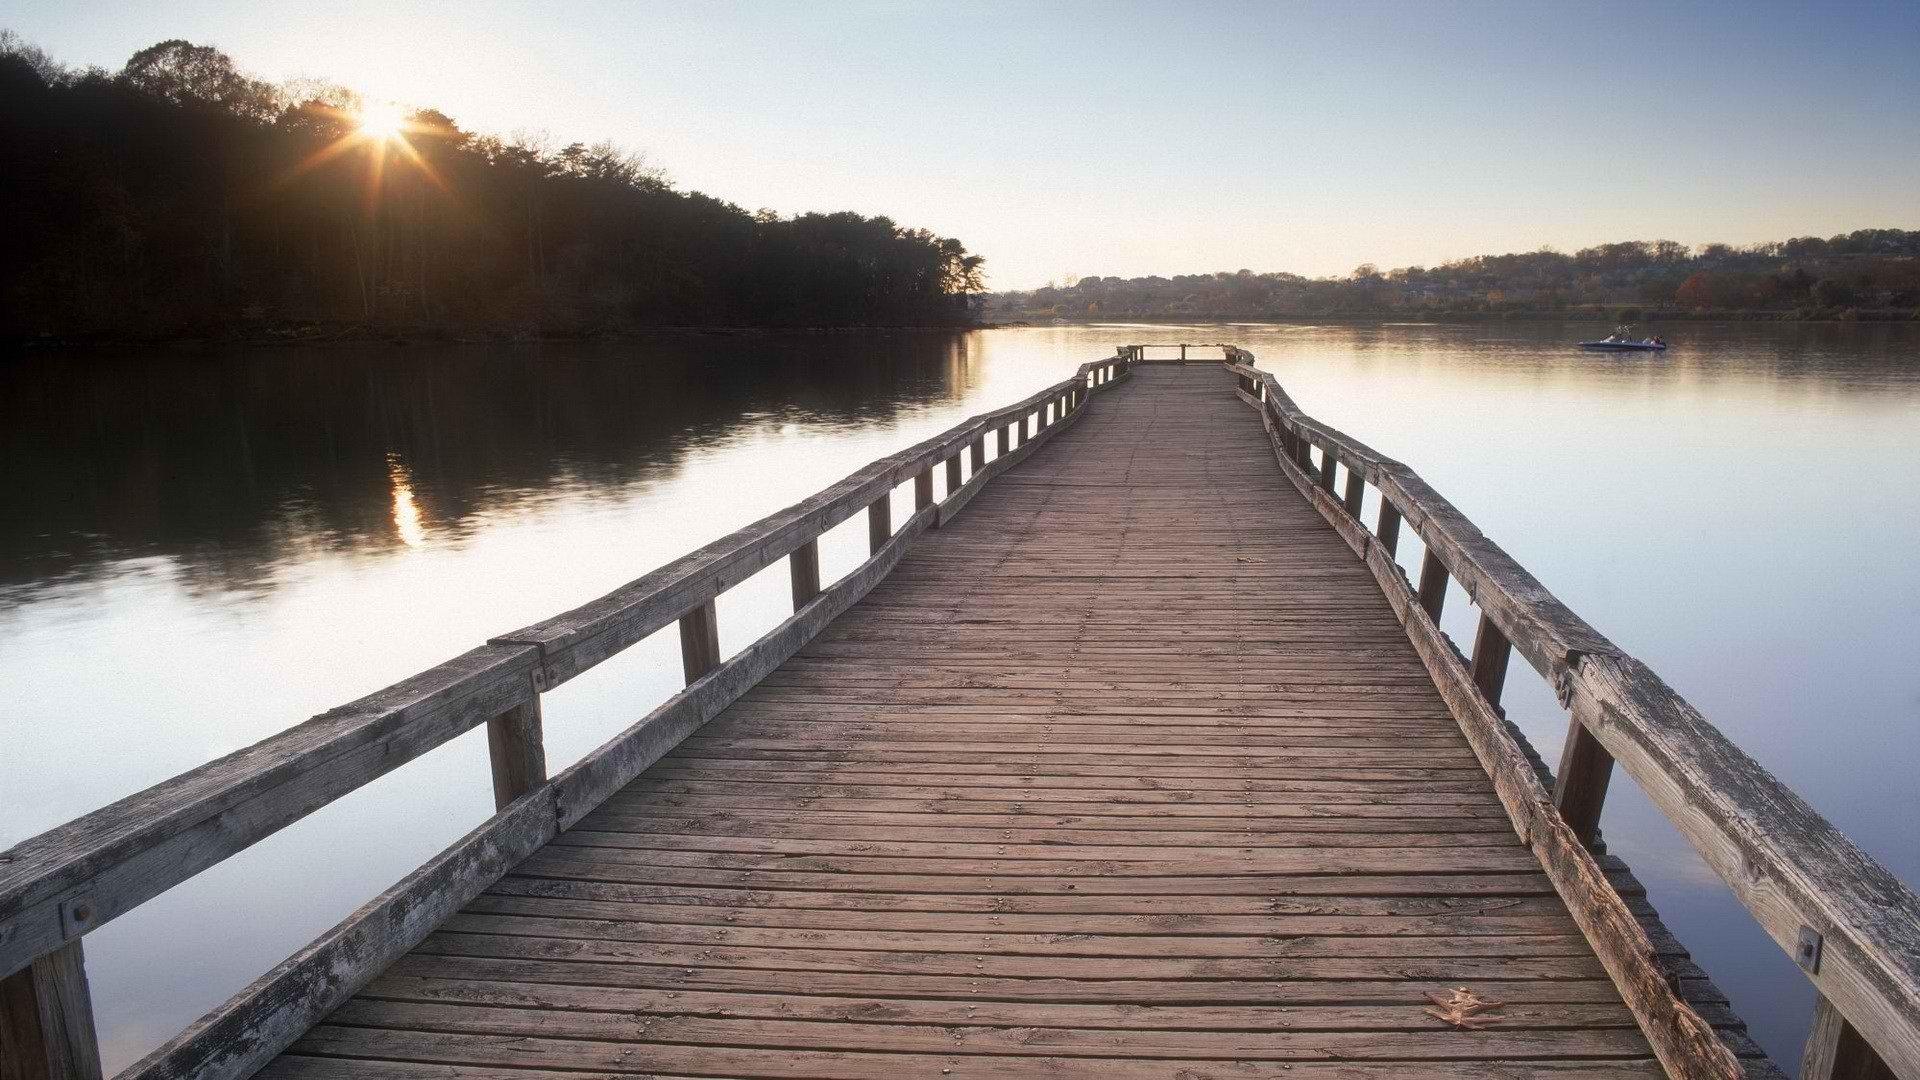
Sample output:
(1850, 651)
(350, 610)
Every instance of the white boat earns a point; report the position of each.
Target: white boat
(1618, 341)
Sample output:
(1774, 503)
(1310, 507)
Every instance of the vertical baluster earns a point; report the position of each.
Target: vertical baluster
(1356, 490)
(1490, 652)
(46, 1019)
(1005, 439)
(923, 490)
(1433, 585)
(1580, 788)
(699, 641)
(517, 749)
(1388, 530)
(879, 523)
(979, 450)
(1327, 464)
(953, 474)
(805, 565)
(1835, 1051)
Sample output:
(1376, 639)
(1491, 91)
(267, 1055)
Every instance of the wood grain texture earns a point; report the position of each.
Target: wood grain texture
(1793, 871)
(516, 748)
(122, 855)
(1127, 770)
(46, 1020)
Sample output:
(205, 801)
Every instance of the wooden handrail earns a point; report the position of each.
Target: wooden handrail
(1138, 353)
(1852, 926)
(65, 882)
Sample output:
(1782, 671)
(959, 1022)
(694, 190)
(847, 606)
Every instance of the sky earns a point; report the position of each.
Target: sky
(1128, 139)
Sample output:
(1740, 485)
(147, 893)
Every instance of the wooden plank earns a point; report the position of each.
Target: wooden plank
(118, 857)
(1580, 789)
(589, 781)
(517, 750)
(699, 641)
(332, 1053)
(1490, 652)
(1835, 1051)
(1788, 865)
(961, 1012)
(805, 568)
(1685, 1044)
(1433, 584)
(985, 825)
(576, 640)
(244, 1034)
(963, 1039)
(46, 1020)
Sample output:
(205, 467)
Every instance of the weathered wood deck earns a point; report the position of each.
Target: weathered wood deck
(1129, 771)
(1132, 753)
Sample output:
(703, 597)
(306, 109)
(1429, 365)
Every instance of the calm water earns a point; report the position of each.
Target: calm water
(203, 550)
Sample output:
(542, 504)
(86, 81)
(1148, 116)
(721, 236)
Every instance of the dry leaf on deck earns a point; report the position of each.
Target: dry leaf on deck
(1463, 1009)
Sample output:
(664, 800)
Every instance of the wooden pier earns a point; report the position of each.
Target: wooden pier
(1129, 752)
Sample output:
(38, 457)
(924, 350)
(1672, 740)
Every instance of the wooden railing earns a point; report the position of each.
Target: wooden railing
(58, 886)
(1853, 927)
(1180, 353)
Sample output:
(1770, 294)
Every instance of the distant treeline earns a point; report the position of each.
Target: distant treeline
(180, 196)
(1871, 273)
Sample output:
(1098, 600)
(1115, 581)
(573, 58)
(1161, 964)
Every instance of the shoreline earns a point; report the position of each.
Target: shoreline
(1631, 316)
(320, 335)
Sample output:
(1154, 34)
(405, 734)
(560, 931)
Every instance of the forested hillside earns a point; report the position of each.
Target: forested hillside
(1870, 273)
(179, 196)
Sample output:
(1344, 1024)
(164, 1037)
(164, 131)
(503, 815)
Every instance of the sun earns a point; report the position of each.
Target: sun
(380, 121)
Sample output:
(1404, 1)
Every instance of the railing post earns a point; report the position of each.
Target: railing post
(1580, 783)
(46, 1019)
(923, 489)
(879, 523)
(1327, 463)
(1433, 585)
(517, 749)
(979, 449)
(953, 474)
(805, 562)
(1356, 490)
(699, 641)
(1491, 649)
(1004, 439)
(1388, 530)
(1835, 1051)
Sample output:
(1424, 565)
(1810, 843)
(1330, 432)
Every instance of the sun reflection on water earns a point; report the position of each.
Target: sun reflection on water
(406, 512)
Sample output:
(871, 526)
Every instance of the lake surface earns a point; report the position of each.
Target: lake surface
(201, 550)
